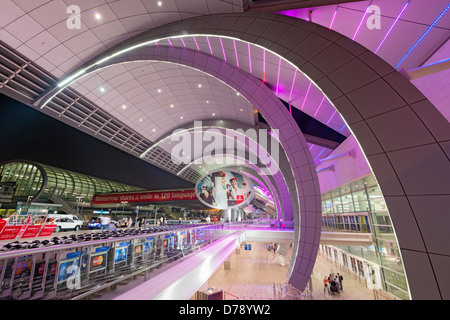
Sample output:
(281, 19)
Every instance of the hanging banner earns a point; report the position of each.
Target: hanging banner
(148, 196)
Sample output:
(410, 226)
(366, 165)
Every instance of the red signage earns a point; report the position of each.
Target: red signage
(149, 196)
(10, 232)
(47, 230)
(31, 231)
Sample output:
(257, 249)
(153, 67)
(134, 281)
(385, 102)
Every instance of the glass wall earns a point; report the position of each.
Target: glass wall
(25, 179)
(360, 207)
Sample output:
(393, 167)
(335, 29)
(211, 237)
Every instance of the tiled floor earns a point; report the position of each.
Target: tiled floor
(254, 272)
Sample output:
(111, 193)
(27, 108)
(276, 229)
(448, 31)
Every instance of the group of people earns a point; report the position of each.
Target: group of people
(222, 194)
(333, 284)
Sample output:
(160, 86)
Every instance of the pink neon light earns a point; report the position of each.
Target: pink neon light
(290, 109)
(264, 65)
(184, 44)
(311, 147)
(331, 117)
(278, 76)
(360, 23)
(209, 45)
(195, 40)
(170, 42)
(249, 58)
(332, 20)
(317, 110)
(390, 29)
(223, 50)
(292, 86)
(304, 100)
(235, 52)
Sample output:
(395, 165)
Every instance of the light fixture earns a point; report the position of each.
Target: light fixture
(171, 105)
(199, 85)
(124, 107)
(98, 16)
(154, 130)
(207, 101)
(140, 120)
(181, 118)
(102, 89)
(159, 3)
(238, 94)
(242, 109)
(213, 114)
(159, 90)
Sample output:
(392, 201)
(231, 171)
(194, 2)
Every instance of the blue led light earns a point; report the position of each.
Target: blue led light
(320, 154)
(423, 36)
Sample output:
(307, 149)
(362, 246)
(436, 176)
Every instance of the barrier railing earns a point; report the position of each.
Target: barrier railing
(81, 266)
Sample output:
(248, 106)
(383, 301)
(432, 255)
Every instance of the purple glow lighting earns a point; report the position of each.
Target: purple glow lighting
(292, 86)
(390, 29)
(320, 154)
(278, 76)
(223, 50)
(236, 54)
(209, 45)
(311, 147)
(304, 100)
(195, 40)
(264, 65)
(360, 23)
(317, 110)
(331, 117)
(184, 44)
(249, 57)
(170, 42)
(290, 109)
(332, 20)
(342, 128)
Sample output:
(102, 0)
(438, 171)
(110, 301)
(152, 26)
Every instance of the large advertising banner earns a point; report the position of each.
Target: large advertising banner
(149, 196)
(224, 190)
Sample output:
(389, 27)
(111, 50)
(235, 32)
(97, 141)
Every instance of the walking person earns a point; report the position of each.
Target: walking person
(340, 277)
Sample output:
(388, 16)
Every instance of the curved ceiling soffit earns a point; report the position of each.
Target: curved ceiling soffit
(271, 109)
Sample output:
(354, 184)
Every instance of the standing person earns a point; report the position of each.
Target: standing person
(325, 284)
(340, 277)
(105, 221)
(162, 221)
(336, 281)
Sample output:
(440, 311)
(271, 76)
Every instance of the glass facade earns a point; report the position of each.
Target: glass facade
(24, 179)
(360, 207)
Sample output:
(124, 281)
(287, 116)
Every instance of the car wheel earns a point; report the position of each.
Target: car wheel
(57, 229)
(77, 228)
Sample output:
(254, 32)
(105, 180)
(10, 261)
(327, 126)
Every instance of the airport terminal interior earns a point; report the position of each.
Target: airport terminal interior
(224, 150)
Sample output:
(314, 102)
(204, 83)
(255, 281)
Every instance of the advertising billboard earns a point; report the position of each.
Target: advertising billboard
(224, 190)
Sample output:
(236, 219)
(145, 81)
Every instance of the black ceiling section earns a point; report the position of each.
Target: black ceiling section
(26, 133)
(310, 126)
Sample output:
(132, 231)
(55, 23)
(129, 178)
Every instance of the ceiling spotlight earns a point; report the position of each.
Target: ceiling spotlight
(124, 107)
(214, 114)
(242, 109)
(207, 101)
(102, 89)
(238, 94)
(181, 118)
(171, 105)
(154, 130)
(199, 85)
(159, 90)
(159, 3)
(98, 16)
(140, 120)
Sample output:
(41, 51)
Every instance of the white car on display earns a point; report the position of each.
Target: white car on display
(66, 222)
